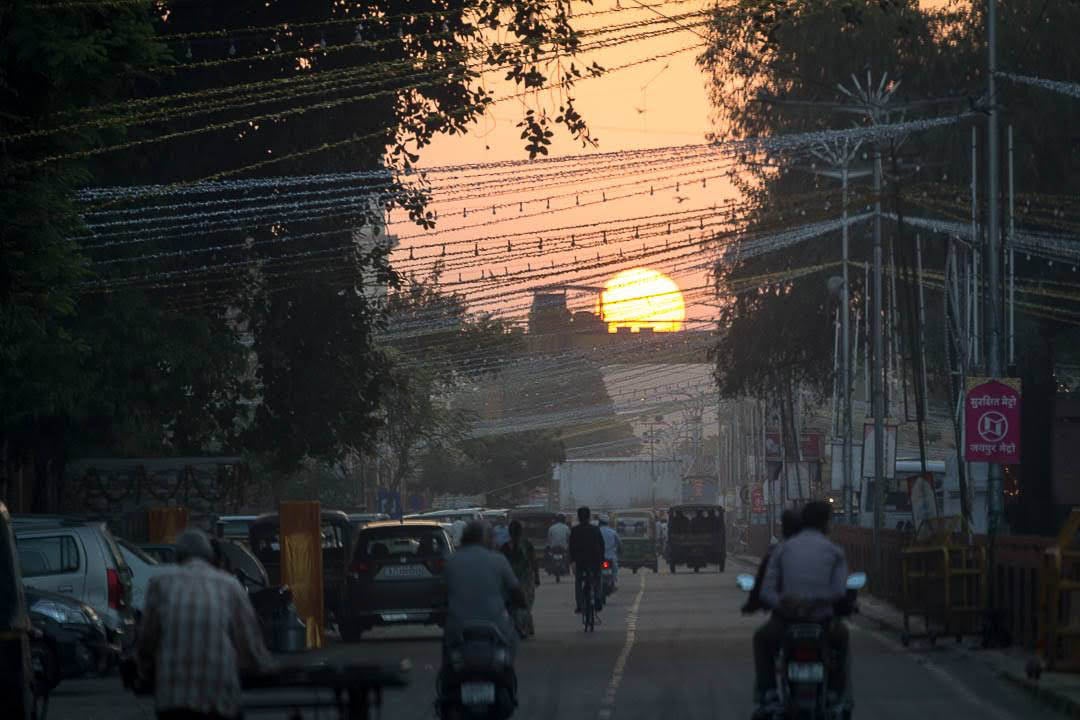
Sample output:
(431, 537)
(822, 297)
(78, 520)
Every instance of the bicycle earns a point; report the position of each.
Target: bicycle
(590, 608)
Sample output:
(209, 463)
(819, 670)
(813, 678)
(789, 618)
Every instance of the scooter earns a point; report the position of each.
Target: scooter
(556, 563)
(806, 661)
(477, 681)
(607, 575)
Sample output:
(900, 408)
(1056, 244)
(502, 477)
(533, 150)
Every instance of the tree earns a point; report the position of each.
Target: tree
(52, 61)
(776, 66)
(503, 467)
(437, 347)
(321, 376)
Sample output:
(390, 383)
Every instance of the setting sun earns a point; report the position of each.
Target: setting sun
(642, 298)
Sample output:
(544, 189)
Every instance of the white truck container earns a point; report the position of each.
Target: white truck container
(614, 483)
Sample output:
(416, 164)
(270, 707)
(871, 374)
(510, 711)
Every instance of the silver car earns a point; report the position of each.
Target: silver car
(80, 559)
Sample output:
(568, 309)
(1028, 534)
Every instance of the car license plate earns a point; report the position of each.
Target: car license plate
(806, 672)
(478, 693)
(394, 617)
(398, 572)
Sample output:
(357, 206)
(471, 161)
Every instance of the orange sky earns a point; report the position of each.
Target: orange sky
(657, 104)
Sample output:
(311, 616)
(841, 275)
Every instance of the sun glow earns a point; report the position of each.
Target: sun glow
(642, 298)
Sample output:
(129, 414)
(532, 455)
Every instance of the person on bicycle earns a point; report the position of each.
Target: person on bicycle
(586, 555)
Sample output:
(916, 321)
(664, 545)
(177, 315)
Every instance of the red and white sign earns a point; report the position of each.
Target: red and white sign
(757, 498)
(992, 421)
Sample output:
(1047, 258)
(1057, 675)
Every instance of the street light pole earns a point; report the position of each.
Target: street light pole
(845, 334)
(877, 389)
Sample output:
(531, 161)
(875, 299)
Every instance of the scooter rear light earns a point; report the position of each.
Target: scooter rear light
(804, 653)
(606, 565)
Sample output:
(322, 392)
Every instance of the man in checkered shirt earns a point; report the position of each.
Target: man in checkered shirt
(198, 632)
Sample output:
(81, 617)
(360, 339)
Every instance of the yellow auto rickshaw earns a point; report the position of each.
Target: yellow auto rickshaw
(637, 533)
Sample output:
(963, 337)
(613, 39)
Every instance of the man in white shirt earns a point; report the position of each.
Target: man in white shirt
(559, 534)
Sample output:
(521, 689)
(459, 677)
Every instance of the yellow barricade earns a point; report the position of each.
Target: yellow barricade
(164, 524)
(302, 563)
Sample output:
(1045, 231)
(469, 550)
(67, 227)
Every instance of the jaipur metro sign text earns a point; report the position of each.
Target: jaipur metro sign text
(992, 421)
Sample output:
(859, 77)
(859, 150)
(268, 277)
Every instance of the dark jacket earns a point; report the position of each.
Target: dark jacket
(586, 546)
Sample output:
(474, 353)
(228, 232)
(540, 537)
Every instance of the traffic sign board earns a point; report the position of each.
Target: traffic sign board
(992, 421)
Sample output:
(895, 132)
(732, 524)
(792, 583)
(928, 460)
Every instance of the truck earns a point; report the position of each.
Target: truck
(615, 483)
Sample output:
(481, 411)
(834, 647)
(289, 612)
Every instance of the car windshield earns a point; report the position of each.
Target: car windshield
(401, 541)
(632, 527)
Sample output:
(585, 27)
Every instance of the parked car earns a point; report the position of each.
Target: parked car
(80, 559)
(17, 687)
(396, 577)
(143, 567)
(75, 640)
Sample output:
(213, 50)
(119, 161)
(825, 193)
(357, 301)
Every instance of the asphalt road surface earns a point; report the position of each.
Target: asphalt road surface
(669, 646)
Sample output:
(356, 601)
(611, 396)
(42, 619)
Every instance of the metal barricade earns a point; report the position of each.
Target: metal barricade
(1059, 613)
(944, 583)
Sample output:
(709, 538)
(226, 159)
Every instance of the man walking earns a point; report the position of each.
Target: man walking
(198, 632)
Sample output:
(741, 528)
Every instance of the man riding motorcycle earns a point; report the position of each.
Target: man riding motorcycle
(558, 536)
(612, 548)
(587, 556)
(806, 578)
(480, 585)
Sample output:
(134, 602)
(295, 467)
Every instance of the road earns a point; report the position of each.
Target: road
(670, 646)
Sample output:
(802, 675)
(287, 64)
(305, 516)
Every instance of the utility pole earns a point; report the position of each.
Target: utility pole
(876, 379)
(845, 373)
(993, 256)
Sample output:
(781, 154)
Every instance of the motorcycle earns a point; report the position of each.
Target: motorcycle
(556, 563)
(806, 660)
(477, 681)
(607, 575)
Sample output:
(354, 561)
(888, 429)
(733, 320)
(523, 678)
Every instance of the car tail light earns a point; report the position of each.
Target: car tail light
(116, 591)
(804, 653)
(359, 568)
(436, 565)
(606, 565)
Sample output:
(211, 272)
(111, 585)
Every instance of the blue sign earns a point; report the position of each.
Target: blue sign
(389, 502)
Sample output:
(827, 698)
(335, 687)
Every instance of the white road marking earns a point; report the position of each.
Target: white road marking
(607, 705)
(941, 673)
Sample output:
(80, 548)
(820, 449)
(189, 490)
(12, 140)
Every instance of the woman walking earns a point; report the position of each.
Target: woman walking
(522, 556)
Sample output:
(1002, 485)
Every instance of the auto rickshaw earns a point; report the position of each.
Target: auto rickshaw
(696, 537)
(637, 532)
(337, 536)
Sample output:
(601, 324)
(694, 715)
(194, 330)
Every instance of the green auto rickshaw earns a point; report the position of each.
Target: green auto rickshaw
(637, 532)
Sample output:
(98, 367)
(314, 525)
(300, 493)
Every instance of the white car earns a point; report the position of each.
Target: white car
(143, 567)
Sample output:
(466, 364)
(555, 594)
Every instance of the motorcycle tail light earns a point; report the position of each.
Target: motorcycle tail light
(607, 565)
(804, 653)
(116, 592)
